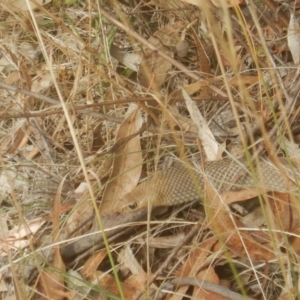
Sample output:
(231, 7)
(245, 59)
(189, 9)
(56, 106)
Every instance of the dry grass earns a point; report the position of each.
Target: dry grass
(65, 89)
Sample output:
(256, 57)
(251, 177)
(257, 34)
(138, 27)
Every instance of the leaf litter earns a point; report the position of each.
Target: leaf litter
(120, 69)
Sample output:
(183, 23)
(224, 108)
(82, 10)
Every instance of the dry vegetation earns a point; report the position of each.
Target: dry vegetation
(92, 100)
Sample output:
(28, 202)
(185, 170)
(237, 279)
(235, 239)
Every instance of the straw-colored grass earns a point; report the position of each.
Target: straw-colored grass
(71, 73)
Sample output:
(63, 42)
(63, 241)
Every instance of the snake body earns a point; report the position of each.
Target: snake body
(182, 183)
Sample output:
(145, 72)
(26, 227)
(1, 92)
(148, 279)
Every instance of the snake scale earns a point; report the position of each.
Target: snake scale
(181, 183)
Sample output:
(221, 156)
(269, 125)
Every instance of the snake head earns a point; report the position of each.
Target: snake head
(148, 194)
(134, 200)
(131, 206)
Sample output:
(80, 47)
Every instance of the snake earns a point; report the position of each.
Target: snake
(183, 183)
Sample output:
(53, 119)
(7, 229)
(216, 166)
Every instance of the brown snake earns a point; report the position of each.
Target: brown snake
(181, 183)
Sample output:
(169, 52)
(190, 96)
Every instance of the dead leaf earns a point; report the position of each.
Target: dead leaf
(104, 168)
(154, 69)
(22, 5)
(283, 210)
(139, 277)
(278, 214)
(18, 139)
(290, 294)
(127, 164)
(128, 59)
(82, 211)
(51, 281)
(127, 259)
(41, 82)
(109, 284)
(91, 265)
(196, 86)
(295, 241)
(206, 137)
(293, 37)
(3, 284)
(208, 275)
(236, 81)
(137, 281)
(193, 264)
(225, 227)
(16, 238)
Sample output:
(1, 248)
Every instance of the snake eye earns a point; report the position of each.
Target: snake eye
(132, 205)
